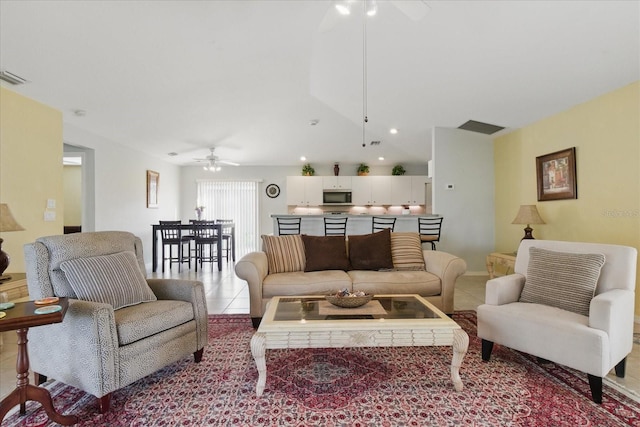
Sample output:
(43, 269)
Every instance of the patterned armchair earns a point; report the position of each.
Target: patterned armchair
(120, 326)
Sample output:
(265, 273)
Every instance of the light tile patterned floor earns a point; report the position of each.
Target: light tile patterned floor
(227, 294)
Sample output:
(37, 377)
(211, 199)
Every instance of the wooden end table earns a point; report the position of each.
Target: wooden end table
(506, 260)
(20, 318)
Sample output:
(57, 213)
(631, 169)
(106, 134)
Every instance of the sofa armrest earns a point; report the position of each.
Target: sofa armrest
(613, 313)
(185, 290)
(253, 268)
(504, 290)
(448, 268)
(86, 344)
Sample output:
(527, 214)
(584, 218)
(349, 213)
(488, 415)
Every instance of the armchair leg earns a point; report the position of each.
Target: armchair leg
(255, 321)
(595, 383)
(487, 347)
(621, 367)
(197, 356)
(104, 403)
(39, 378)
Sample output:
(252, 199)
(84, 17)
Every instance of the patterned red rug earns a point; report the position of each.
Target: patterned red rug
(347, 387)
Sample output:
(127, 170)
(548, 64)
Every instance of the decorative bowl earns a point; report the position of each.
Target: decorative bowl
(348, 301)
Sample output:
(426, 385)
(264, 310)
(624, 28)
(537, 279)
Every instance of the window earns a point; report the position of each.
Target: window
(236, 200)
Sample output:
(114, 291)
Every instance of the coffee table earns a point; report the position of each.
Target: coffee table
(386, 321)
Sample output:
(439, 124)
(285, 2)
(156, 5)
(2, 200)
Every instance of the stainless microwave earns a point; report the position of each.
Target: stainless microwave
(336, 197)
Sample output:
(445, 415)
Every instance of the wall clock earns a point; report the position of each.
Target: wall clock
(273, 191)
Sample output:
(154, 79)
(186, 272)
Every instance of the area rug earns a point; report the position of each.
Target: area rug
(347, 387)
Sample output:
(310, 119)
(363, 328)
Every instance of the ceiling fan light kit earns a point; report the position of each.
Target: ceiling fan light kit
(214, 162)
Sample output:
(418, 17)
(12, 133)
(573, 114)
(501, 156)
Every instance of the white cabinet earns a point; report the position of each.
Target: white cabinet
(304, 190)
(371, 190)
(336, 182)
(408, 190)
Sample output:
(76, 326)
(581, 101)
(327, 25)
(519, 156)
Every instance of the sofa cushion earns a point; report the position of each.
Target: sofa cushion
(300, 283)
(396, 282)
(113, 279)
(325, 253)
(560, 279)
(406, 251)
(140, 321)
(371, 251)
(284, 253)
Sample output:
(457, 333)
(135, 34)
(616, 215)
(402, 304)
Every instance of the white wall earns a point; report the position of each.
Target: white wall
(120, 187)
(464, 159)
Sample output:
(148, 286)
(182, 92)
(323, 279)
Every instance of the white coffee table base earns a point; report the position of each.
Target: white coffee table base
(460, 344)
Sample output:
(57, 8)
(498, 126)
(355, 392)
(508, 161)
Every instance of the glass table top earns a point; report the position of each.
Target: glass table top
(386, 307)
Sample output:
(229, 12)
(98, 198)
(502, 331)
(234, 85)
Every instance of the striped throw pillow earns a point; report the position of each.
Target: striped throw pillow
(563, 280)
(406, 251)
(285, 254)
(113, 279)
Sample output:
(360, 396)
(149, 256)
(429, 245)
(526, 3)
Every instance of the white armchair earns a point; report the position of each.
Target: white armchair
(593, 342)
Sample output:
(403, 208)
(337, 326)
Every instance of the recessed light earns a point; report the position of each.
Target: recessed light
(303, 158)
(172, 154)
(393, 131)
(313, 122)
(381, 158)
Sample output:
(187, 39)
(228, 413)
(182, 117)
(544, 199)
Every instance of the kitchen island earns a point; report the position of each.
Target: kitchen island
(357, 223)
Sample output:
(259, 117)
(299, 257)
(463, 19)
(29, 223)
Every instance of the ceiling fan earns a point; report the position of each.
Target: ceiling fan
(214, 162)
(413, 9)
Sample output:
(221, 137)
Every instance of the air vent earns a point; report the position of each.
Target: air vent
(11, 78)
(480, 127)
(375, 142)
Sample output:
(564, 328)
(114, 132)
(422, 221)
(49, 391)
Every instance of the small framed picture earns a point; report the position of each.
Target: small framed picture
(557, 175)
(153, 180)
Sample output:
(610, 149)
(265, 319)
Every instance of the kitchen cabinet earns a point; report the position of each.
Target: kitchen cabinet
(304, 190)
(336, 182)
(371, 190)
(408, 190)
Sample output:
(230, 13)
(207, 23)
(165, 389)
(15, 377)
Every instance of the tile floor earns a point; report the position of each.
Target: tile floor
(227, 294)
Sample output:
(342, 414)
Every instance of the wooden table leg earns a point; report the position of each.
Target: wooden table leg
(460, 346)
(25, 391)
(258, 350)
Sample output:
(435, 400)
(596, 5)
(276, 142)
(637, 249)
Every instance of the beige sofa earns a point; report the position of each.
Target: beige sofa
(436, 281)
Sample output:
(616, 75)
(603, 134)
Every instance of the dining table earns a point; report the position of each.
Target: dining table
(220, 228)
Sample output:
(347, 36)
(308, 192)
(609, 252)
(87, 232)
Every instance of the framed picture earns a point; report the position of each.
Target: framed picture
(153, 179)
(557, 175)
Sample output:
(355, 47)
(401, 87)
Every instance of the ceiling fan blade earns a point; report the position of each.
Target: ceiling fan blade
(414, 9)
(227, 162)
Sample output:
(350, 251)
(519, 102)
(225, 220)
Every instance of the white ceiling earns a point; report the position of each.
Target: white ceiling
(249, 76)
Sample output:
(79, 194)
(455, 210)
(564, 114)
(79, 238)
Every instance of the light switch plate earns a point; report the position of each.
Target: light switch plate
(450, 187)
(49, 216)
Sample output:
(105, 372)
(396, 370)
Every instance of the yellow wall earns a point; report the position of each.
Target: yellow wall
(606, 134)
(72, 180)
(30, 170)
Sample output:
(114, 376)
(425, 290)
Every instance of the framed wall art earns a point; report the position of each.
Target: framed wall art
(557, 175)
(153, 180)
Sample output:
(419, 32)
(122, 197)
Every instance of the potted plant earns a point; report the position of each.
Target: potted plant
(363, 169)
(398, 170)
(307, 170)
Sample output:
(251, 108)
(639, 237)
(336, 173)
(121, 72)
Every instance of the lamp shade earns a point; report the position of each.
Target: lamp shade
(528, 214)
(7, 222)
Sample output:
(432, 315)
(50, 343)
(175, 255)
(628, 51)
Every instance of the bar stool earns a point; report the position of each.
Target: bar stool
(335, 226)
(429, 229)
(380, 223)
(288, 225)
(172, 237)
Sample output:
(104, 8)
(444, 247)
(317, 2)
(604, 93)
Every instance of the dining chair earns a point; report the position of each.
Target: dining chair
(226, 235)
(380, 223)
(171, 233)
(288, 225)
(429, 230)
(335, 226)
(206, 240)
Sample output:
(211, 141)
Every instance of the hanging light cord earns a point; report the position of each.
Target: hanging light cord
(364, 71)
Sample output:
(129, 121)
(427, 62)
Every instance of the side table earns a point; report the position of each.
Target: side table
(497, 259)
(20, 318)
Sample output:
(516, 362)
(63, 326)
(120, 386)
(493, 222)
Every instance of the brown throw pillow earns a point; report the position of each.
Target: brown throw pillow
(371, 251)
(325, 253)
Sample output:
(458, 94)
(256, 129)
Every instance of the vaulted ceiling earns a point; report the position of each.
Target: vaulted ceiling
(250, 77)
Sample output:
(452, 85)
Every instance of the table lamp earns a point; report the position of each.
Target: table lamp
(7, 223)
(528, 214)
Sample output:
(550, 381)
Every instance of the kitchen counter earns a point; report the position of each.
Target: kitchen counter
(313, 224)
